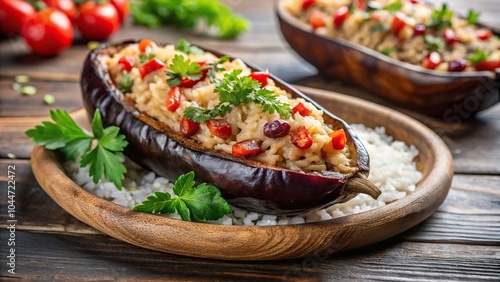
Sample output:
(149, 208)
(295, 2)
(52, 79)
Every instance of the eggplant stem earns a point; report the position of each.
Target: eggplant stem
(360, 184)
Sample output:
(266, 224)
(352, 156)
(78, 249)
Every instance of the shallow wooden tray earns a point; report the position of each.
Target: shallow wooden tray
(434, 93)
(269, 242)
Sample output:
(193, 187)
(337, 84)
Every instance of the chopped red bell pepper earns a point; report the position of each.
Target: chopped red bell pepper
(150, 66)
(188, 127)
(260, 76)
(246, 148)
(220, 128)
(301, 109)
(301, 138)
(339, 139)
(126, 63)
(173, 99)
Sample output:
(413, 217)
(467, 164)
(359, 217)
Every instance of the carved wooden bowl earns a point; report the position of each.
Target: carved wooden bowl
(434, 93)
(268, 242)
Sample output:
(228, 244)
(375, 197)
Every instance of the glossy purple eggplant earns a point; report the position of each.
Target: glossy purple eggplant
(244, 183)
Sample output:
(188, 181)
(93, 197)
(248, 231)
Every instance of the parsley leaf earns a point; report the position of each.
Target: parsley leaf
(125, 84)
(184, 46)
(393, 7)
(64, 134)
(388, 51)
(180, 68)
(434, 43)
(441, 18)
(378, 27)
(188, 14)
(213, 68)
(235, 90)
(478, 56)
(472, 17)
(199, 204)
(146, 57)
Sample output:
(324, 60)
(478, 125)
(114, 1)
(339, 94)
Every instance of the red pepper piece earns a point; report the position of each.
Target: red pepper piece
(306, 4)
(173, 99)
(301, 138)
(260, 76)
(126, 62)
(189, 83)
(146, 45)
(398, 22)
(483, 34)
(316, 19)
(220, 128)
(246, 148)
(338, 139)
(189, 127)
(150, 66)
(301, 109)
(488, 65)
(340, 15)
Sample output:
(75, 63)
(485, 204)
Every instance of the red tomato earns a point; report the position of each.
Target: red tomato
(150, 66)
(122, 7)
(189, 127)
(48, 32)
(450, 36)
(338, 139)
(68, 7)
(316, 19)
(307, 3)
(432, 60)
(246, 148)
(301, 138)
(340, 15)
(189, 83)
(488, 65)
(146, 45)
(13, 13)
(398, 22)
(220, 128)
(126, 62)
(173, 99)
(260, 76)
(483, 34)
(97, 21)
(301, 109)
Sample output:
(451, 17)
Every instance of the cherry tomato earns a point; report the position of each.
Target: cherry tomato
(340, 15)
(307, 3)
(97, 21)
(419, 29)
(189, 83)
(189, 127)
(260, 76)
(146, 45)
(301, 109)
(246, 148)
(150, 66)
(432, 60)
(48, 32)
(338, 139)
(316, 19)
(13, 13)
(488, 65)
(122, 7)
(398, 22)
(126, 63)
(173, 99)
(68, 7)
(301, 138)
(450, 36)
(483, 34)
(220, 128)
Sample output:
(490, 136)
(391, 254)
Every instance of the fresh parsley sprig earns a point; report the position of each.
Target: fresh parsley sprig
(441, 18)
(235, 90)
(214, 68)
(478, 56)
(180, 68)
(200, 203)
(472, 17)
(125, 84)
(184, 46)
(105, 158)
(146, 57)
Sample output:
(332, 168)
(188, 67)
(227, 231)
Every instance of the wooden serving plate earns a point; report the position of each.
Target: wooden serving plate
(268, 242)
(429, 92)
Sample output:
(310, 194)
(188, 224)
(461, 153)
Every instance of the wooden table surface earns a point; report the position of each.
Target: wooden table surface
(460, 241)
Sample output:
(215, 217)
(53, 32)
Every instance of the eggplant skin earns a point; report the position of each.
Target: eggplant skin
(244, 183)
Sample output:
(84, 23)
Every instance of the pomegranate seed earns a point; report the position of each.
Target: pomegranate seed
(457, 65)
(246, 148)
(301, 138)
(450, 36)
(189, 127)
(220, 128)
(419, 29)
(276, 128)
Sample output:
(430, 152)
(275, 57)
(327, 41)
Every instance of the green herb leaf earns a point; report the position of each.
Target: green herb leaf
(478, 56)
(49, 99)
(235, 90)
(64, 134)
(393, 7)
(186, 47)
(434, 43)
(188, 14)
(146, 57)
(180, 68)
(388, 51)
(378, 27)
(472, 17)
(200, 203)
(125, 84)
(441, 18)
(214, 68)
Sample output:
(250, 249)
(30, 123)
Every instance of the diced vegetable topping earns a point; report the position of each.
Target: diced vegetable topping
(150, 66)
(340, 15)
(146, 46)
(398, 22)
(301, 138)
(276, 128)
(307, 3)
(457, 65)
(173, 99)
(302, 110)
(450, 36)
(316, 19)
(220, 128)
(484, 34)
(338, 139)
(432, 60)
(246, 148)
(126, 63)
(188, 127)
(261, 77)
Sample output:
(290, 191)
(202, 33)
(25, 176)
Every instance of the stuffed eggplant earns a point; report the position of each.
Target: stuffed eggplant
(266, 146)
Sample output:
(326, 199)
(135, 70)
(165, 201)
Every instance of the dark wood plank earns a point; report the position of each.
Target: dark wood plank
(49, 256)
